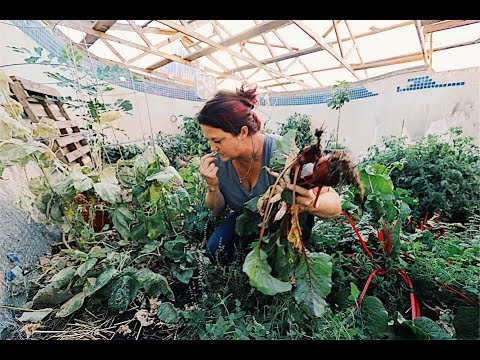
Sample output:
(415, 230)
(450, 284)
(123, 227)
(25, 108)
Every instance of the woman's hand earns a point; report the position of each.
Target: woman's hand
(208, 170)
(328, 203)
(304, 198)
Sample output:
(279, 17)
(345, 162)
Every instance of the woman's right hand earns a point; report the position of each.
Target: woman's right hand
(208, 170)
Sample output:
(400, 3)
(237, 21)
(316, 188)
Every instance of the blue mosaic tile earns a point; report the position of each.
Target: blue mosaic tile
(425, 82)
(314, 97)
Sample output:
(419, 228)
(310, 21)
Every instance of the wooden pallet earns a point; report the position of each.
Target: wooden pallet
(72, 146)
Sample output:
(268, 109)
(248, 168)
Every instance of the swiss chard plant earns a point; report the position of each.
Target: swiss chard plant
(280, 261)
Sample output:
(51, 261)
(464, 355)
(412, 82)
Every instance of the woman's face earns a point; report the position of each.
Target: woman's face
(227, 145)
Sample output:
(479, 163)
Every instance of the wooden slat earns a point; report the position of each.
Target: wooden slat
(38, 110)
(65, 140)
(22, 99)
(35, 87)
(74, 155)
(54, 112)
(62, 110)
(66, 124)
(320, 40)
(86, 160)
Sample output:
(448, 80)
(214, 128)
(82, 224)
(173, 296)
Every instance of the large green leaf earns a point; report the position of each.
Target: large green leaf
(81, 182)
(258, 271)
(466, 322)
(104, 278)
(121, 219)
(154, 284)
(11, 151)
(51, 295)
(46, 128)
(108, 192)
(313, 280)
(71, 305)
(155, 193)
(282, 268)
(165, 176)
(138, 232)
(63, 277)
(86, 266)
(38, 184)
(183, 275)
(374, 317)
(11, 128)
(108, 175)
(167, 313)
(156, 225)
(175, 249)
(430, 329)
(123, 292)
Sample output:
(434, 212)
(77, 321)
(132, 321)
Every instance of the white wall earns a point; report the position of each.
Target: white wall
(363, 121)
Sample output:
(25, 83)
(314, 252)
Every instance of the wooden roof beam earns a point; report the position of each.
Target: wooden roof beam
(448, 24)
(282, 40)
(339, 41)
(112, 49)
(316, 48)
(421, 38)
(100, 26)
(355, 45)
(140, 33)
(243, 48)
(320, 40)
(171, 39)
(272, 45)
(244, 35)
(136, 46)
(217, 46)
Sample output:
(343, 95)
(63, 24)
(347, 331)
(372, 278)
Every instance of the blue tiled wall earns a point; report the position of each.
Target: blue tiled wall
(315, 97)
(55, 45)
(426, 82)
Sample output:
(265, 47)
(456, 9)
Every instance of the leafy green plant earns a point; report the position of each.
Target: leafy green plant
(279, 262)
(340, 96)
(181, 148)
(443, 175)
(113, 152)
(302, 124)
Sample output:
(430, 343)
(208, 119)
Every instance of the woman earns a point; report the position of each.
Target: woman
(236, 173)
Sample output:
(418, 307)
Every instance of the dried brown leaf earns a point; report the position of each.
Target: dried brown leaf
(143, 317)
(124, 329)
(30, 328)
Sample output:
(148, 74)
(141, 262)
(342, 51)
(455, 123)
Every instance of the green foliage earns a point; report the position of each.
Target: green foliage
(225, 309)
(443, 175)
(113, 152)
(373, 318)
(276, 262)
(451, 259)
(258, 270)
(189, 143)
(340, 96)
(302, 124)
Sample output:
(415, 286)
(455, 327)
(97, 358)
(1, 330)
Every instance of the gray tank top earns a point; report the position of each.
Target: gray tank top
(234, 193)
